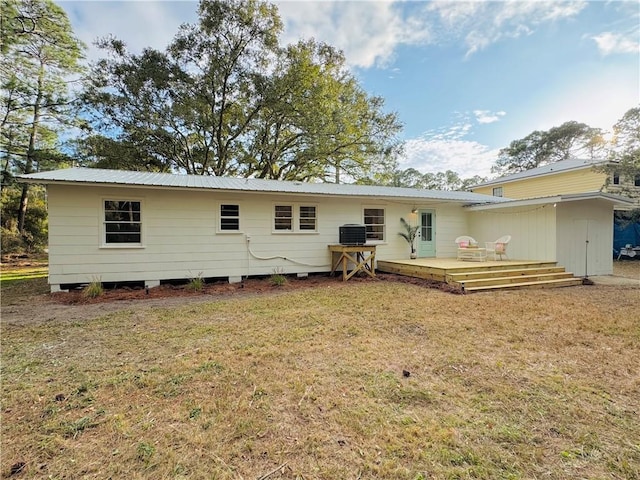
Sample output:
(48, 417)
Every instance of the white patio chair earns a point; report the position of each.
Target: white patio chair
(463, 242)
(498, 248)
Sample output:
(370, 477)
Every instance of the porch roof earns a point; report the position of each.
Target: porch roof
(93, 176)
(618, 201)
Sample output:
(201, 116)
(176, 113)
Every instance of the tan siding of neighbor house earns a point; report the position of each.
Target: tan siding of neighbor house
(578, 181)
(181, 238)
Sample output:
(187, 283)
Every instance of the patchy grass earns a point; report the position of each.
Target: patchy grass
(355, 380)
(627, 268)
(19, 282)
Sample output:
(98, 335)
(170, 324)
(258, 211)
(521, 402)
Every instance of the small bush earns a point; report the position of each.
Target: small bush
(196, 283)
(94, 289)
(278, 279)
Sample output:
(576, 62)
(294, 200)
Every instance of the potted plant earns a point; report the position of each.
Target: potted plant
(410, 234)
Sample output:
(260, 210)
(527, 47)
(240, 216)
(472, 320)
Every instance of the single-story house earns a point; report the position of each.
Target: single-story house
(123, 226)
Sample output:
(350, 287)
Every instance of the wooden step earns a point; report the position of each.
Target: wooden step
(474, 267)
(516, 278)
(467, 276)
(565, 282)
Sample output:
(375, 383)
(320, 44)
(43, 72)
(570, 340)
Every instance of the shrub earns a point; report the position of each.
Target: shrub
(196, 283)
(94, 289)
(277, 278)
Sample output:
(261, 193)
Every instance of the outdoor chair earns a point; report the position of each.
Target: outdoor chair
(464, 241)
(499, 247)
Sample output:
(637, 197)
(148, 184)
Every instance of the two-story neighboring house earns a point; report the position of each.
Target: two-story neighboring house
(573, 176)
(564, 177)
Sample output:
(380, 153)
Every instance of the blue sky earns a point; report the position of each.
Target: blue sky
(466, 77)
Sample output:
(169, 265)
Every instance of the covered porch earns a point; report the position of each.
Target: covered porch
(481, 276)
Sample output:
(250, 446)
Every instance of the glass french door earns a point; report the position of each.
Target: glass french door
(427, 236)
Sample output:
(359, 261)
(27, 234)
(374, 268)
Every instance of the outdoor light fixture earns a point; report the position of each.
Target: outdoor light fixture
(414, 210)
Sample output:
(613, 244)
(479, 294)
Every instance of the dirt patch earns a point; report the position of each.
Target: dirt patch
(75, 306)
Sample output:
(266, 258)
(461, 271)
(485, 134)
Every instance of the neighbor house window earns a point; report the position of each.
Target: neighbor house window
(122, 222)
(283, 218)
(636, 181)
(229, 217)
(374, 222)
(497, 191)
(308, 219)
(616, 178)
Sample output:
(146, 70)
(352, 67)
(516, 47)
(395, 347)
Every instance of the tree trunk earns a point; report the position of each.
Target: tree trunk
(28, 167)
(22, 213)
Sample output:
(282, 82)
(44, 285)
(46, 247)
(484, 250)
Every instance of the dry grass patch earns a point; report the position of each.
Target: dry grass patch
(310, 385)
(627, 268)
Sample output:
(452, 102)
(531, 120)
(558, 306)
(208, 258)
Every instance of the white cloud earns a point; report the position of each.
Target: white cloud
(139, 24)
(487, 116)
(466, 158)
(450, 149)
(367, 32)
(480, 24)
(610, 43)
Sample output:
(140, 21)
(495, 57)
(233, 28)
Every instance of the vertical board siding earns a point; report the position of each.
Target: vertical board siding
(573, 218)
(532, 230)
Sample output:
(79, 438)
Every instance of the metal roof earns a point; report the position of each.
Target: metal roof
(551, 168)
(617, 201)
(168, 180)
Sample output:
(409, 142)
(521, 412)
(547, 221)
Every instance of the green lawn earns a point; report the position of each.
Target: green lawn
(18, 282)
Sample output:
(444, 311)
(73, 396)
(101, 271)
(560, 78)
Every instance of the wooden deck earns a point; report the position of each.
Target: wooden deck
(478, 276)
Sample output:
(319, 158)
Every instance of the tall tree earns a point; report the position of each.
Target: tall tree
(625, 151)
(40, 54)
(226, 99)
(541, 147)
(412, 178)
(316, 121)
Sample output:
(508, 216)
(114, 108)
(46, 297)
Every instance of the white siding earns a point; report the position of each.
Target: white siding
(581, 221)
(451, 222)
(181, 239)
(532, 230)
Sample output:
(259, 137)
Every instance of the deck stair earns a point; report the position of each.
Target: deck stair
(513, 278)
(484, 276)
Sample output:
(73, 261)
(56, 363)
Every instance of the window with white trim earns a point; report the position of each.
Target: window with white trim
(497, 191)
(295, 218)
(122, 222)
(374, 223)
(308, 218)
(283, 218)
(616, 178)
(229, 217)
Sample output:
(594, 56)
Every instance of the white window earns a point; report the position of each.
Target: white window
(229, 217)
(616, 178)
(308, 218)
(374, 222)
(122, 222)
(295, 218)
(283, 218)
(497, 191)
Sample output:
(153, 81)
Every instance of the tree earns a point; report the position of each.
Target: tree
(540, 147)
(226, 99)
(625, 152)
(40, 53)
(412, 178)
(317, 122)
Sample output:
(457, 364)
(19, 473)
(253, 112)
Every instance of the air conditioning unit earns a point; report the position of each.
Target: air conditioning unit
(353, 234)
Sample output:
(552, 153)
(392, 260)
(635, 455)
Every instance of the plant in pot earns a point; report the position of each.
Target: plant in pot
(410, 234)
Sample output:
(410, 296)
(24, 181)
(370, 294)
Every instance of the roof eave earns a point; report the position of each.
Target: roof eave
(617, 200)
